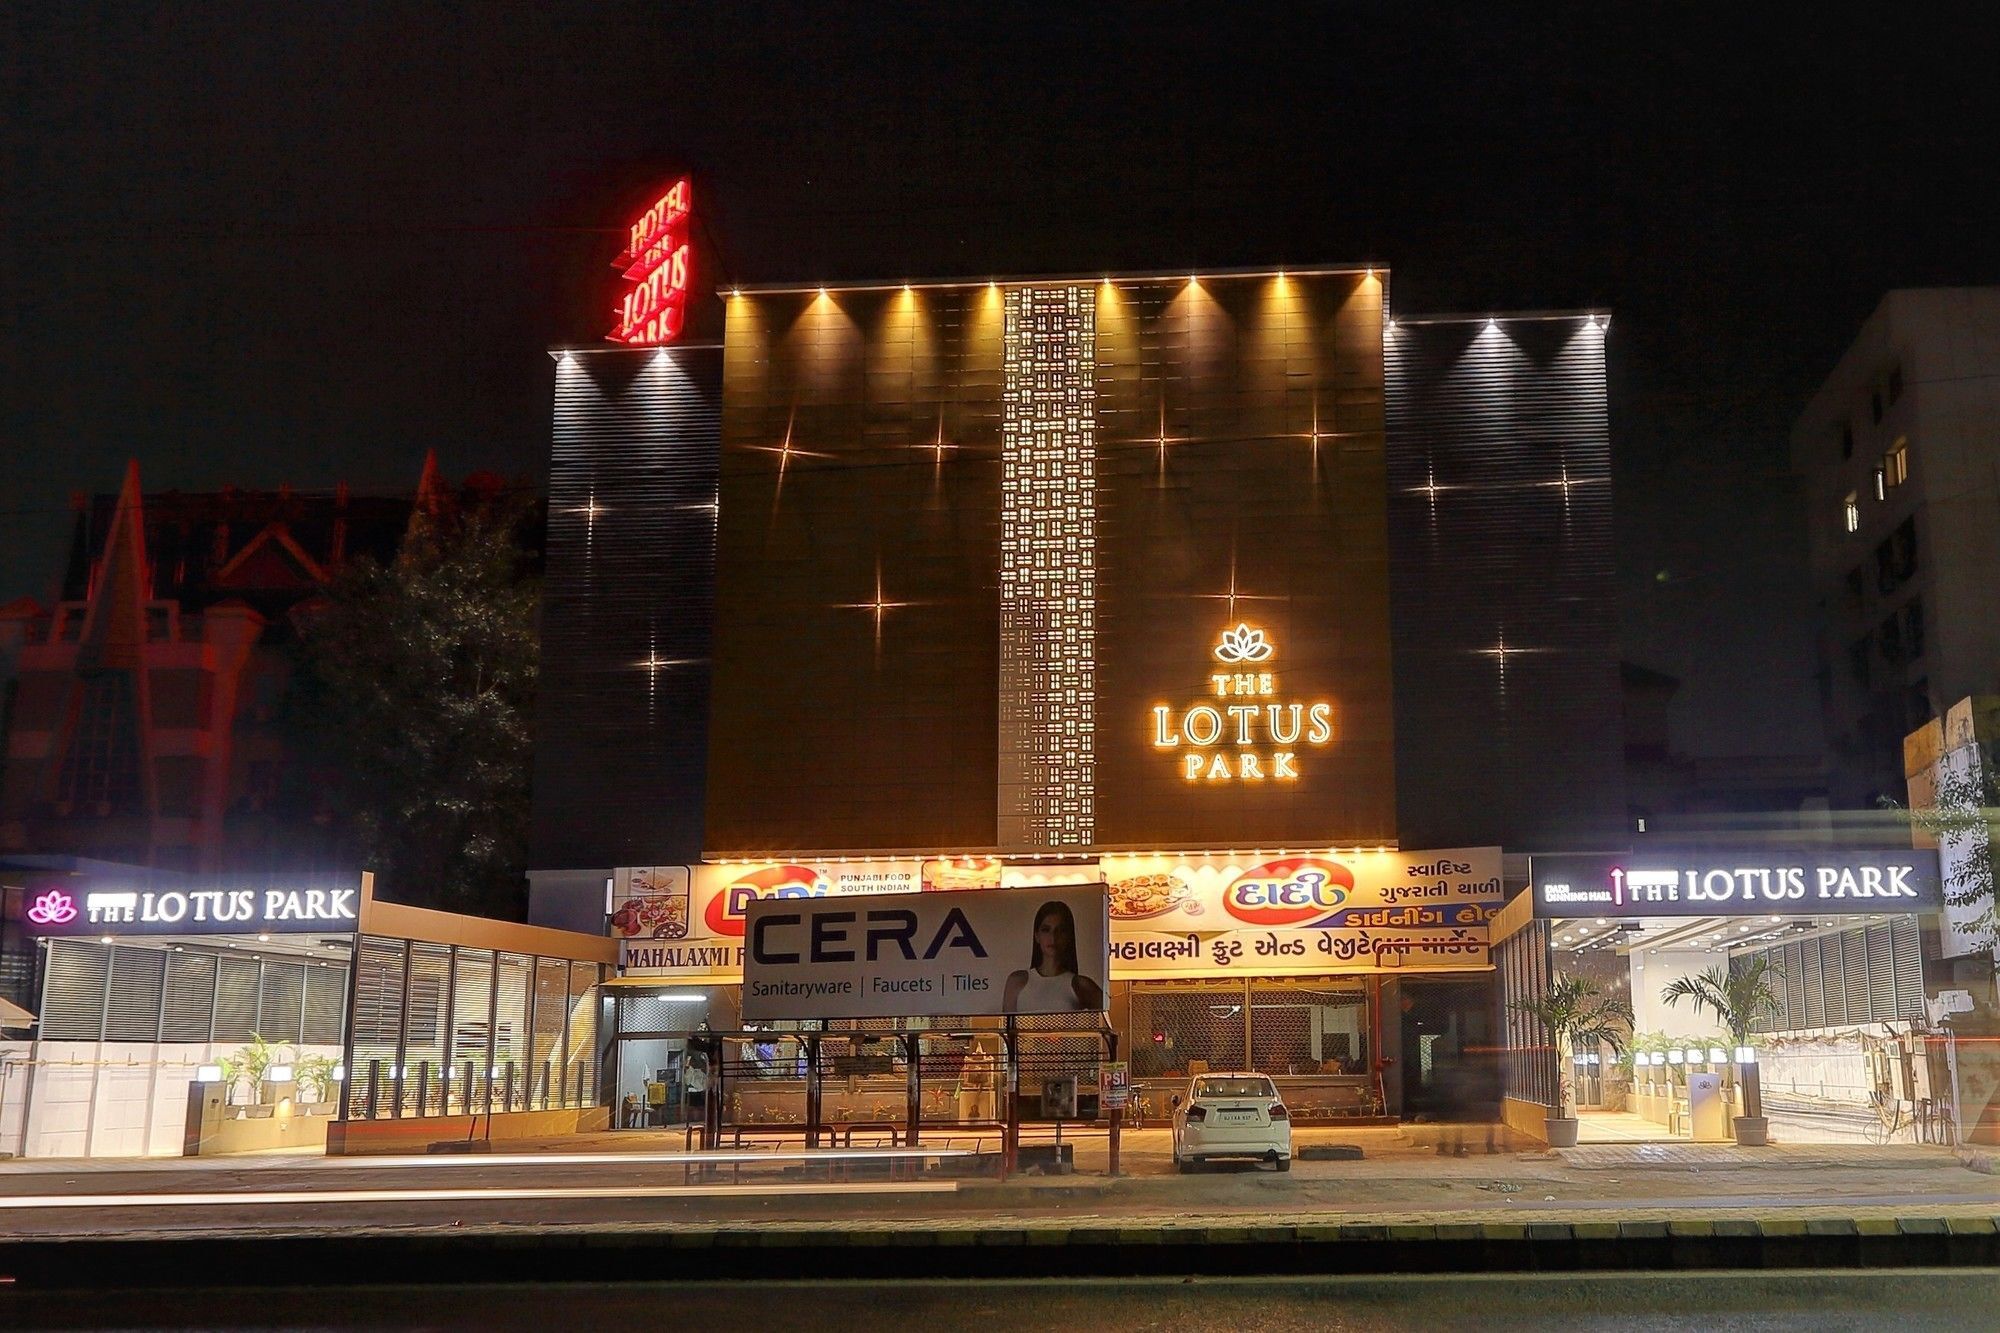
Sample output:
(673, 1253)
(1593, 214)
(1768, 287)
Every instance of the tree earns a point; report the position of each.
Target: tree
(1962, 817)
(1737, 997)
(417, 686)
(1576, 1012)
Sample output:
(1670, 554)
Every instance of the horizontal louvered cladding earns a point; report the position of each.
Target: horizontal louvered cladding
(621, 748)
(326, 1006)
(138, 979)
(73, 991)
(281, 1001)
(1508, 709)
(1868, 974)
(236, 999)
(190, 997)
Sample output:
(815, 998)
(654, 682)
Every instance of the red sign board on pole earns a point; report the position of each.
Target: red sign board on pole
(656, 258)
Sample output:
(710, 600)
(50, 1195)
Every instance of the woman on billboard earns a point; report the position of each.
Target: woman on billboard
(1051, 984)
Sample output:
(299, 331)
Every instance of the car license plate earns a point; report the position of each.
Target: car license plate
(1239, 1117)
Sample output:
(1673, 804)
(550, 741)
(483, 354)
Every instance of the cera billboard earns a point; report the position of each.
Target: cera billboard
(979, 953)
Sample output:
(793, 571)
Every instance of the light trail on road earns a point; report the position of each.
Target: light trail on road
(284, 1197)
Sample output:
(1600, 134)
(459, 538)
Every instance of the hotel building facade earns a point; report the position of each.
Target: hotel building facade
(1279, 612)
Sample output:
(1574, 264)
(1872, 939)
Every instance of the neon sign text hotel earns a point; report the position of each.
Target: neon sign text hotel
(657, 259)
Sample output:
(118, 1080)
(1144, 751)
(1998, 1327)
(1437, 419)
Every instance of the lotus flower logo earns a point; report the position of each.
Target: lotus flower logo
(1242, 644)
(54, 908)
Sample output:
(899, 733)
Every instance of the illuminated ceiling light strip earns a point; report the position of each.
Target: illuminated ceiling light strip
(1150, 278)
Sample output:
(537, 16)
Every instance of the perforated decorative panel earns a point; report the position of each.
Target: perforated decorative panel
(1048, 569)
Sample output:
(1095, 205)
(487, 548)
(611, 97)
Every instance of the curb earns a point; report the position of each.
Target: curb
(746, 1253)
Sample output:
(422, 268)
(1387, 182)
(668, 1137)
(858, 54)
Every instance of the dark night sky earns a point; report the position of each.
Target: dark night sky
(303, 243)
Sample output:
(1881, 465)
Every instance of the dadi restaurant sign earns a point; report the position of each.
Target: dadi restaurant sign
(1738, 883)
(1311, 914)
(977, 953)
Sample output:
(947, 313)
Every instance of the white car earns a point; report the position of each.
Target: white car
(1231, 1115)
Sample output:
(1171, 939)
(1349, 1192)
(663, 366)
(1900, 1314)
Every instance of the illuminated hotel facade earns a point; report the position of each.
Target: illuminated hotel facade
(1207, 586)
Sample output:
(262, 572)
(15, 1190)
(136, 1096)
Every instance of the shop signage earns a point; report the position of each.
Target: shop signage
(972, 954)
(687, 923)
(1114, 1084)
(194, 908)
(1236, 914)
(1246, 730)
(1737, 883)
(650, 903)
(656, 258)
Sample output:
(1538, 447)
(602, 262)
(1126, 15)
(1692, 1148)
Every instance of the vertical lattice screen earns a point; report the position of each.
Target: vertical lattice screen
(580, 1073)
(1048, 543)
(545, 1050)
(1523, 964)
(471, 1027)
(424, 1027)
(510, 1030)
(378, 1017)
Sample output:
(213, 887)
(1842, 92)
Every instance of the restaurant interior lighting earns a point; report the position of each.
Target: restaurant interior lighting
(208, 1073)
(278, 1074)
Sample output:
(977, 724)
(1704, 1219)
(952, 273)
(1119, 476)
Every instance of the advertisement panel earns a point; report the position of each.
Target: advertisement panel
(969, 954)
(712, 899)
(1834, 882)
(1321, 913)
(650, 902)
(1236, 914)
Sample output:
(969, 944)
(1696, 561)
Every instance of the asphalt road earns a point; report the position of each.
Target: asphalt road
(553, 1191)
(1906, 1300)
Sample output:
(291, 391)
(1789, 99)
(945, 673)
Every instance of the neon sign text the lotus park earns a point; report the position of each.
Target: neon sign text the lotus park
(1247, 734)
(193, 910)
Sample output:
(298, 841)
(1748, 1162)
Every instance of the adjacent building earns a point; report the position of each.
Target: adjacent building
(1902, 478)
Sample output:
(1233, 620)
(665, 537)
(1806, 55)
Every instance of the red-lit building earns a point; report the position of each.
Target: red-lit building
(142, 708)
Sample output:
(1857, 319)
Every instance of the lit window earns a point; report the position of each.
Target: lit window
(1896, 463)
(1851, 508)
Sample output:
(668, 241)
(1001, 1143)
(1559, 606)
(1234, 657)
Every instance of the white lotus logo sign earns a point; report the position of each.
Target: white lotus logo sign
(1245, 730)
(1242, 644)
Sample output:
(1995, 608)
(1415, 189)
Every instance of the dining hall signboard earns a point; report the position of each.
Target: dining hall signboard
(1174, 915)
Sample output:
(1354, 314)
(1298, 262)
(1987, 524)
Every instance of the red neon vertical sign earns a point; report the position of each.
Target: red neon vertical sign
(656, 258)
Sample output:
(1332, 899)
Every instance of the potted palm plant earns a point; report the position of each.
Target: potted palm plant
(1737, 997)
(1575, 1011)
(315, 1072)
(250, 1064)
